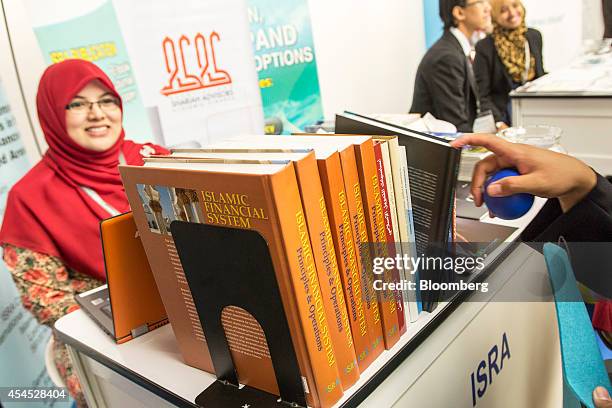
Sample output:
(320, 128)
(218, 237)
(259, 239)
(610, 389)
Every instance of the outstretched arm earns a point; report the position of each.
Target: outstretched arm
(543, 173)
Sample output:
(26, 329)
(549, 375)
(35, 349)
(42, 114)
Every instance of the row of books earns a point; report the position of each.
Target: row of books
(326, 205)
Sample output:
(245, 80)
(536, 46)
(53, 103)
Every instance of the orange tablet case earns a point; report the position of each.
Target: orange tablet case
(135, 302)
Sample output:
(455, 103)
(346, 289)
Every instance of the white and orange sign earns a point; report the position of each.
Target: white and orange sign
(206, 74)
(195, 66)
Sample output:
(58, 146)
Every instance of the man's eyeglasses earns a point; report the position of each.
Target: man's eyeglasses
(475, 3)
(107, 104)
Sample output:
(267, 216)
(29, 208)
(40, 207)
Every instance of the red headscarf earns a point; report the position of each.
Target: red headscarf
(47, 210)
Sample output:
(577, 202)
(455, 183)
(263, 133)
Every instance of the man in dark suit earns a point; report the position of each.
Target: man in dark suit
(606, 6)
(445, 84)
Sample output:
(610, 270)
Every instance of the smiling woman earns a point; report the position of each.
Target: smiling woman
(94, 125)
(50, 232)
(510, 56)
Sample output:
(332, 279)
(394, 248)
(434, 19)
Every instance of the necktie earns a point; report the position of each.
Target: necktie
(472, 81)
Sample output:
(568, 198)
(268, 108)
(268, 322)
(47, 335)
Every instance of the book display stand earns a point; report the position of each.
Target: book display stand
(148, 370)
(232, 267)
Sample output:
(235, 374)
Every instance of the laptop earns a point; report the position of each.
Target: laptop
(129, 304)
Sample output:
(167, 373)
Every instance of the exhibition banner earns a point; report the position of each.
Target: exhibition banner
(432, 22)
(194, 61)
(22, 339)
(89, 30)
(286, 65)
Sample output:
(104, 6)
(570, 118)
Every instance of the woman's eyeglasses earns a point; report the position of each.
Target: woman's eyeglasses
(107, 104)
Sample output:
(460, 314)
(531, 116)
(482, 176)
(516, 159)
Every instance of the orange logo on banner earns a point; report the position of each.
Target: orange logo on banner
(182, 78)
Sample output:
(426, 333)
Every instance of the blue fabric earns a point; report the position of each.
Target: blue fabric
(583, 367)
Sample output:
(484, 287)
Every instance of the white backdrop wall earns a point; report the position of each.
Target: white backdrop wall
(561, 25)
(592, 20)
(367, 53)
(20, 84)
(22, 340)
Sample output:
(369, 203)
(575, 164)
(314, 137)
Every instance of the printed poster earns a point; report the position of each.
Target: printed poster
(89, 30)
(194, 61)
(281, 35)
(22, 339)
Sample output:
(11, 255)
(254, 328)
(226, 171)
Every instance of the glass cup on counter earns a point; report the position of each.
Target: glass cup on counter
(544, 136)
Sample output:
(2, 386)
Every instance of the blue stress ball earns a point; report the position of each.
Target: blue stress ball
(511, 207)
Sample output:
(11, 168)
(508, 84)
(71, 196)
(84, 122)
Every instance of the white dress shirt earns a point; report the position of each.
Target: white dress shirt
(463, 40)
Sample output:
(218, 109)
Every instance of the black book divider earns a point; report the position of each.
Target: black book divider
(232, 267)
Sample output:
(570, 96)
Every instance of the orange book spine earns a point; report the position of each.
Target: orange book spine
(316, 355)
(366, 164)
(325, 260)
(360, 235)
(332, 182)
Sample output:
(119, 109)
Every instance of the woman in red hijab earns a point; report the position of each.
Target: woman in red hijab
(50, 232)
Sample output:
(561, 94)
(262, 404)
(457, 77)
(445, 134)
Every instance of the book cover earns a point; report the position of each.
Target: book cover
(357, 212)
(363, 212)
(260, 197)
(315, 208)
(334, 158)
(414, 302)
(375, 222)
(433, 166)
(405, 229)
(324, 254)
(371, 239)
(332, 180)
(383, 168)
